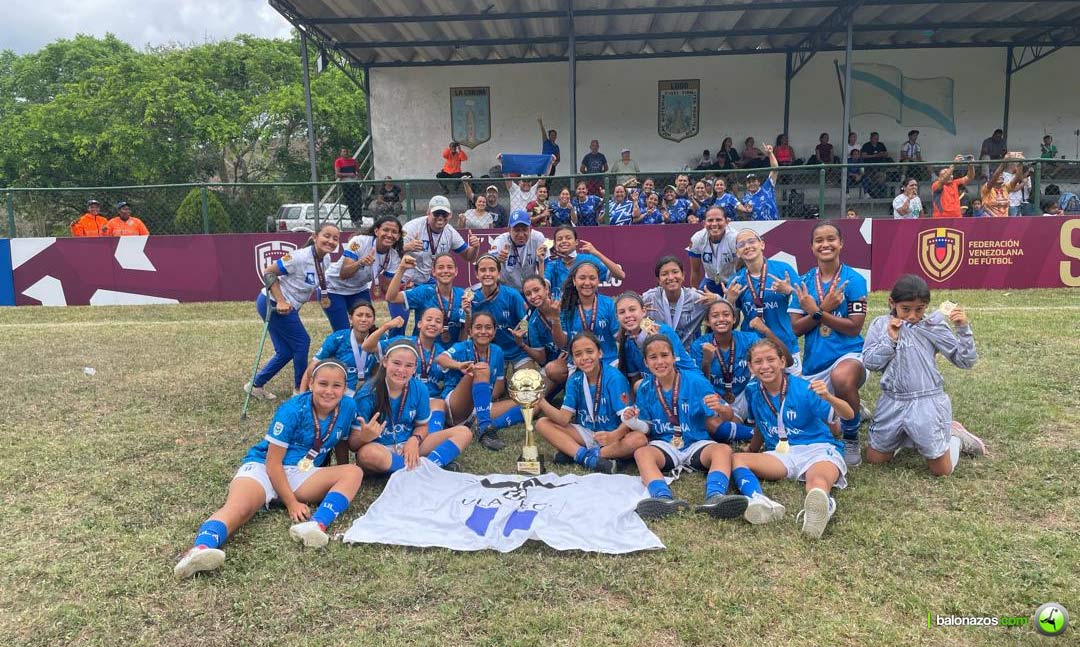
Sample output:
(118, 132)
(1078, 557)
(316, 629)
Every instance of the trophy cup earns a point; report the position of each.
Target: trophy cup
(526, 388)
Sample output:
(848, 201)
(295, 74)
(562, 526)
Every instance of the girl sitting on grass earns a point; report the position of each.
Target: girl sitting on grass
(346, 346)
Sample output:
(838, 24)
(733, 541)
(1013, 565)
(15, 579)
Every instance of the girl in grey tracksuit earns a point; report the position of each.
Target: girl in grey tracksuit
(913, 410)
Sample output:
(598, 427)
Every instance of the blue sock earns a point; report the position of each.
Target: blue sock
(660, 490)
(211, 534)
(397, 462)
(729, 432)
(481, 399)
(437, 422)
(745, 480)
(579, 457)
(509, 418)
(333, 504)
(716, 483)
(587, 457)
(850, 428)
(445, 453)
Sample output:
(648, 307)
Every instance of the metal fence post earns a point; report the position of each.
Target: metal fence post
(11, 214)
(205, 209)
(407, 211)
(821, 194)
(1036, 189)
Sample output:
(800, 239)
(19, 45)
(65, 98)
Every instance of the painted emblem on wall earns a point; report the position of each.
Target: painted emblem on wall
(941, 251)
(270, 251)
(677, 109)
(470, 115)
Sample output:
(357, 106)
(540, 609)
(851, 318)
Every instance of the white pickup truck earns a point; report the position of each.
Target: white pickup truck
(301, 217)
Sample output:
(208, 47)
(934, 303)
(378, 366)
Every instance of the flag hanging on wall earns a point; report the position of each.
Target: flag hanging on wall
(429, 506)
(884, 90)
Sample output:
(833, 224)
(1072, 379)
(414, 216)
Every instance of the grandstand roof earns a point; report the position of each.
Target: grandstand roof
(390, 33)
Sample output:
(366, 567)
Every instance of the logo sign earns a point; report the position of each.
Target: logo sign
(268, 252)
(678, 108)
(1051, 619)
(470, 115)
(940, 252)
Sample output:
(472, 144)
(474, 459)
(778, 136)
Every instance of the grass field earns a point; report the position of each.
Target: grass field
(106, 479)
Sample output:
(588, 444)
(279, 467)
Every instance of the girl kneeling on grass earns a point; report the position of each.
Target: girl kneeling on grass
(791, 416)
(913, 409)
(677, 406)
(395, 404)
(589, 428)
(630, 309)
(286, 466)
(346, 347)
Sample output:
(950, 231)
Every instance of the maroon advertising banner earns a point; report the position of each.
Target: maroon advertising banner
(172, 269)
(972, 253)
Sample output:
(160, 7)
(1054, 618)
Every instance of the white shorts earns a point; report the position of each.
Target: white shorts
(586, 435)
(681, 457)
(800, 458)
(257, 471)
(796, 365)
(826, 375)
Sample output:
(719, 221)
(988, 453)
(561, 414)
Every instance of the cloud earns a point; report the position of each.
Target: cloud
(28, 25)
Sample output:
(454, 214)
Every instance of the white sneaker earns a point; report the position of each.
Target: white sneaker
(761, 509)
(971, 444)
(310, 534)
(852, 453)
(199, 558)
(258, 392)
(865, 412)
(818, 508)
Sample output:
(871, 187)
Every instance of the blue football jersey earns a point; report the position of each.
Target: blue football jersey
(293, 428)
(693, 387)
(588, 210)
(678, 210)
(507, 306)
(763, 201)
(820, 351)
(427, 369)
(402, 417)
(465, 351)
(422, 297)
(805, 414)
(556, 270)
(737, 362)
(635, 359)
(560, 215)
(601, 321)
(621, 213)
(540, 335)
(360, 365)
(776, 306)
(604, 415)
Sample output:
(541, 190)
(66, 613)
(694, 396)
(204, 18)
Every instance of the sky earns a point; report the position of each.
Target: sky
(28, 25)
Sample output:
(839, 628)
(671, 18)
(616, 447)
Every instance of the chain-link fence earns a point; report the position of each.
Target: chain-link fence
(801, 192)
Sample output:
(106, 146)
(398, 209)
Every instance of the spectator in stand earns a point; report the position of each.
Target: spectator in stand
(706, 162)
(453, 156)
(993, 148)
(91, 224)
(587, 207)
(594, 162)
(624, 168)
(823, 152)
(752, 156)
(1048, 151)
(852, 140)
(1051, 207)
(976, 210)
(522, 191)
(539, 215)
(679, 210)
(388, 201)
(874, 151)
(621, 208)
(562, 212)
(682, 186)
(907, 205)
(478, 217)
(1018, 199)
(648, 187)
(911, 152)
(492, 195)
(855, 173)
(995, 193)
(721, 198)
(653, 213)
(785, 154)
(946, 193)
(347, 172)
(759, 202)
(125, 224)
(851, 213)
(701, 199)
(549, 147)
(727, 158)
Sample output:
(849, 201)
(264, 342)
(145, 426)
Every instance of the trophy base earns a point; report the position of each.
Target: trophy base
(534, 467)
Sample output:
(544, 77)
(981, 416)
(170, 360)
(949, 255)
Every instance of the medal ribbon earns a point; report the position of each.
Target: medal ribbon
(359, 357)
(674, 313)
(592, 401)
(780, 430)
(319, 272)
(727, 367)
(592, 321)
(401, 407)
(317, 443)
(433, 242)
(476, 354)
(425, 360)
(759, 297)
(672, 411)
(821, 286)
(446, 309)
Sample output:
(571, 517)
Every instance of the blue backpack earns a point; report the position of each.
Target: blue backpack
(1069, 202)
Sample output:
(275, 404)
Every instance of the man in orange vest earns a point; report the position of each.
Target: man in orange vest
(91, 224)
(125, 224)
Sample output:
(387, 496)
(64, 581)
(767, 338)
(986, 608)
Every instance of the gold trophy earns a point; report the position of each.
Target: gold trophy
(526, 388)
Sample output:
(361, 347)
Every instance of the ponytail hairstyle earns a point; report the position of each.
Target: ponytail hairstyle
(527, 279)
(364, 304)
(724, 302)
(764, 343)
(826, 223)
(378, 383)
(910, 288)
(310, 242)
(570, 298)
(493, 258)
(585, 334)
(329, 363)
(398, 246)
(624, 336)
(657, 338)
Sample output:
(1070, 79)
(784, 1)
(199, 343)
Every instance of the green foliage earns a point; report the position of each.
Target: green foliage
(189, 216)
(95, 112)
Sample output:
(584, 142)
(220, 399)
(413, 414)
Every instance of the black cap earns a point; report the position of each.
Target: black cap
(92, 201)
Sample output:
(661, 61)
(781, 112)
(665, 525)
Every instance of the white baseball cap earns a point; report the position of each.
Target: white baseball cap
(439, 203)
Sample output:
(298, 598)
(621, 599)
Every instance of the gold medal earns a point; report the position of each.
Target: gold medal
(305, 464)
(946, 308)
(677, 442)
(649, 326)
(468, 294)
(523, 326)
(783, 447)
(729, 397)
(824, 330)
(324, 302)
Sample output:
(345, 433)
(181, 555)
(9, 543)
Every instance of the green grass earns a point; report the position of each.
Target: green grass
(106, 479)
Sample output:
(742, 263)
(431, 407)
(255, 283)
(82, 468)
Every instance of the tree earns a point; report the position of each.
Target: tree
(189, 218)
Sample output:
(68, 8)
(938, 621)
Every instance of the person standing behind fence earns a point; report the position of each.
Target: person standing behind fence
(759, 201)
(292, 279)
(594, 162)
(453, 156)
(125, 224)
(946, 190)
(907, 205)
(347, 171)
(91, 224)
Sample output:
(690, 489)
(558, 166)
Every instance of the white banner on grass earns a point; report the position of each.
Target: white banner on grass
(429, 506)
